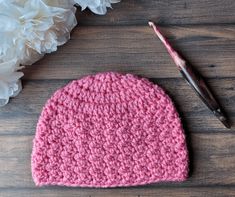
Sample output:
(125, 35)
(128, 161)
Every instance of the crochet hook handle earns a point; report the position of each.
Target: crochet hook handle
(200, 87)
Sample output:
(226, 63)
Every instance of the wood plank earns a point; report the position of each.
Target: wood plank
(121, 192)
(20, 117)
(212, 158)
(133, 12)
(136, 49)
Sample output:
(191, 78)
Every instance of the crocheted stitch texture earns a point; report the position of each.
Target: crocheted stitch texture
(109, 130)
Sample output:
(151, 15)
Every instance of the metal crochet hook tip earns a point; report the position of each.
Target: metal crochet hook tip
(150, 23)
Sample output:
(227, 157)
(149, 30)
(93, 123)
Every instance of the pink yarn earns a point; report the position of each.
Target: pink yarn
(109, 130)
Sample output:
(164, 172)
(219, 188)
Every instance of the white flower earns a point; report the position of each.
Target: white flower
(96, 6)
(10, 84)
(33, 25)
(31, 28)
(28, 30)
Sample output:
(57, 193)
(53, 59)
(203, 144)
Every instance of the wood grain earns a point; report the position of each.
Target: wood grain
(20, 117)
(121, 192)
(167, 12)
(210, 49)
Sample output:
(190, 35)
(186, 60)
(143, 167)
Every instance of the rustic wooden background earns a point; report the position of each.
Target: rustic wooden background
(203, 30)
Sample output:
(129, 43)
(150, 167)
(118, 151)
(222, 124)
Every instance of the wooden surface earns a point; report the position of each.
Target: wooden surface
(202, 30)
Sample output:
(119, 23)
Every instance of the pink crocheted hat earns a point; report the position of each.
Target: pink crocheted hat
(109, 130)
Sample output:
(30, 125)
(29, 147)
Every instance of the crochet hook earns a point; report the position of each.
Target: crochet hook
(193, 79)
